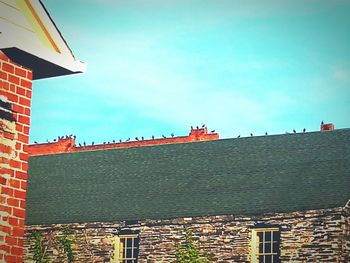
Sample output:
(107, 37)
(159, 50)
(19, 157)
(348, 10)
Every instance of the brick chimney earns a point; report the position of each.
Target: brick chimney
(327, 126)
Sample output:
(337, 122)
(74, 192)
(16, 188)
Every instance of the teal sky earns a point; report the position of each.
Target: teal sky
(157, 67)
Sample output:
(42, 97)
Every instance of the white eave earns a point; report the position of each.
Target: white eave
(29, 37)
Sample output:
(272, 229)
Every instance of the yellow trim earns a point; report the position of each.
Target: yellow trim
(38, 26)
(254, 243)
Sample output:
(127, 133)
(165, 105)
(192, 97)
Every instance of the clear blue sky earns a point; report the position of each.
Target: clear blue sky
(157, 67)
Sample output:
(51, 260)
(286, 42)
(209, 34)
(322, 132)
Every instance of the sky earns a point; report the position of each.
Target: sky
(159, 67)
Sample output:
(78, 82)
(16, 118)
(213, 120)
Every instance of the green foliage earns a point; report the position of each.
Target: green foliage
(66, 241)
(189, 252)
(63, 243)
(39, 248)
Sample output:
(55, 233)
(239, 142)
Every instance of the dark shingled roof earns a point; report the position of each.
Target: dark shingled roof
(253, 175)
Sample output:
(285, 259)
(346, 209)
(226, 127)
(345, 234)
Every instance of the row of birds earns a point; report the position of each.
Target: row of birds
(294, 131)
(142, 138)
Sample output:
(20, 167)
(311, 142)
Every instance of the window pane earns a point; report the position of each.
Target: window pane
(275, 247)
(268, 236)
(129, 253)
(129, 242)
(268, 259)
(261, 259)
(276, 236)
(268, 248)
(260, 235)
(261, 247)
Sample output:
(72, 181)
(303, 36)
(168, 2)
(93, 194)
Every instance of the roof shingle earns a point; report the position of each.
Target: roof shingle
(253, 175)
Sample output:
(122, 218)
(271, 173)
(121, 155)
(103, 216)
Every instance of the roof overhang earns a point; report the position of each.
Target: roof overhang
(29, 37)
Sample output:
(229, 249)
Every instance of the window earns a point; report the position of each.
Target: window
(265, 245)
(126, 248)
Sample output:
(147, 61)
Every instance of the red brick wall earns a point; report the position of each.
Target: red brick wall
(15, 100)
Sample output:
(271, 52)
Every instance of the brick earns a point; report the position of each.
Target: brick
(23, 185)
(23, 138)
(19, 212)
(3, 75)
(3, 180)
(26, 129)
(8, 171)
(12, 97)
(23, 204)
(30, 75)
(6, 209)
(14, 221)
(20, 91)
(16, 250)
(11, 241)
(28, 94)
(13, 79)
(6, 191)
(21, 175)
(20, 194)
(19, 127)
(5, 149)
(18, 232)
(18, 108)
(15, 183)
(15, 164)
(12, 88)
(23, 156)
(26, 83)
(20, 72)
(27, 111)
(24, 101)
(8, 68)
(5, 229)
(13, 202)
(5, 248)
(24, 166)
(5, 85)
(18, 146)
(10, 259)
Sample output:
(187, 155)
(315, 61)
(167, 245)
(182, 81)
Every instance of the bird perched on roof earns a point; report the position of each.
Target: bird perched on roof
(294, 131)
(238, 136)
(54, 140)
(120, 140)
(128, 139)
(35, 142)
(142, 138)
(136, 138)
(304, 130)
(197, 127)
(113, 141)
(152, 137)
(212, 131)
(104, 142)
(74, 136)
(265, 133)
(84, 143)
(203, 125)
(322, 122)
(251, 134)
(191, 127)
(172, 134)
(79, 145)
(163, 136)
(92, 143)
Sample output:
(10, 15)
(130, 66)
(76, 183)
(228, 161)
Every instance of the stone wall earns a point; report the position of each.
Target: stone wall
(311, 236)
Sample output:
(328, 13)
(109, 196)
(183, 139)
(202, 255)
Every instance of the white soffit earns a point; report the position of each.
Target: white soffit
(29, 36)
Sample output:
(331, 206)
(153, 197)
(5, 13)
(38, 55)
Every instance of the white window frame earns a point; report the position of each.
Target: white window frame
(119, 247)
(254, 247)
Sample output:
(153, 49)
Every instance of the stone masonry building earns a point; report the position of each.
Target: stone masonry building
(278, 198)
